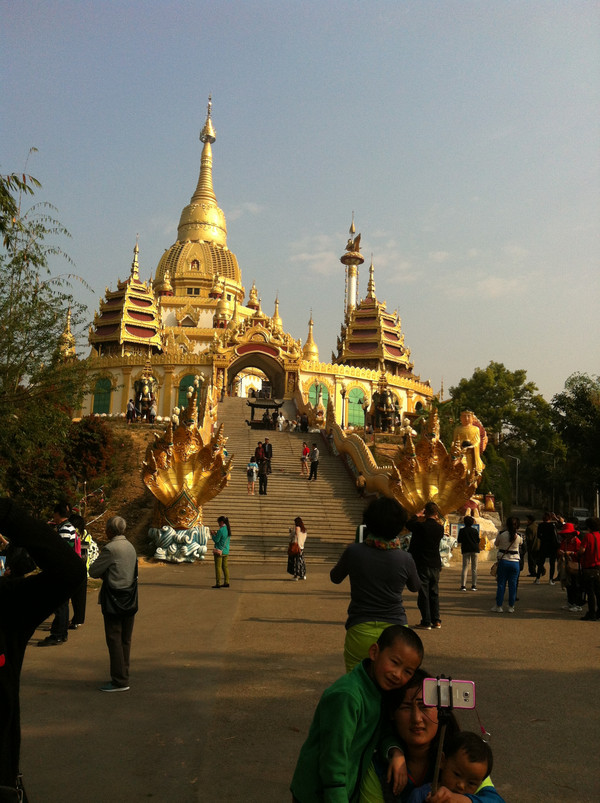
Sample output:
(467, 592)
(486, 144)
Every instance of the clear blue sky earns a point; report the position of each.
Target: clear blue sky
(464, 135)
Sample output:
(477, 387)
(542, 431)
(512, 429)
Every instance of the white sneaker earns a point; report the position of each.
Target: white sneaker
(575, 608)
(551, 582)
(567, 607)
(536, 582)
(511, 609)
(497, 609)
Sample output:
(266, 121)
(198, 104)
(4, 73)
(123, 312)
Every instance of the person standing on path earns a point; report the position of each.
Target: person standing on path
(60, 623)
(304, 459)
(379, 571)
(468, 538)
(531, 541)
(509, 563)
(268, 450)
(221, 539)
(117, 566)
(296, 565)
(24, 603)
(252, 474)
(546, 533)
(589, 554)
(79, 597)
(425, 549)
(314, 463)
(262, 477)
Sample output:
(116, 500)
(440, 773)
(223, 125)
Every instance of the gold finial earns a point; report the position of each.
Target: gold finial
(352, 230)
(371, 284)
(277, 322)
(208, 133)
(253, 301)
(135, 272)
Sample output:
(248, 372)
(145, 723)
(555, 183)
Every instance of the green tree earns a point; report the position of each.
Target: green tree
(576, 414)
(39, 388)
(519, 424)
(511, 409)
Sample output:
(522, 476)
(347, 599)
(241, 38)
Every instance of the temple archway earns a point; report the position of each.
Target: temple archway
(270, 367)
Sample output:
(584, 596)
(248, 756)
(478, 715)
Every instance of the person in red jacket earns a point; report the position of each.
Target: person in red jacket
(589, 554)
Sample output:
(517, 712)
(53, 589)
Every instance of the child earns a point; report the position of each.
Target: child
(345, 727)
(252, 474)
(466, 763)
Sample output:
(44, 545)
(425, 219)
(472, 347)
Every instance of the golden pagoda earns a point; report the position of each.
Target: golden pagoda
(372, 337)
(192, 324)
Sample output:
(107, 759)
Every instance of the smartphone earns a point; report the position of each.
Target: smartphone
(463, 693)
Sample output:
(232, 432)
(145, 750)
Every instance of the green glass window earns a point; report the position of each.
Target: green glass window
(102, 391)
(313, 394)
(356, 415)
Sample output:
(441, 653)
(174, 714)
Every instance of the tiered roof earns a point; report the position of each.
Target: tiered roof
(128, 321)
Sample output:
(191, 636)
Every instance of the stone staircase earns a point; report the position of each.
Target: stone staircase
(330, 508)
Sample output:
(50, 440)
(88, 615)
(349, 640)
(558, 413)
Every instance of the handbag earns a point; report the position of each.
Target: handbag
(294, 549)
(120, 601)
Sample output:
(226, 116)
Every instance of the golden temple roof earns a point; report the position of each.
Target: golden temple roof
(128, 317)
(373, 337)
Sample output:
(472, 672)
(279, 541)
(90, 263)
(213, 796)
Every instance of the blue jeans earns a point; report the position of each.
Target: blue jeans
(508, 572)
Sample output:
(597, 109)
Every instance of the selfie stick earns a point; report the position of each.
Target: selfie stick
(443, 718)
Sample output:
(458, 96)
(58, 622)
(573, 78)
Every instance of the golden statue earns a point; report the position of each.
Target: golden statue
(186, 467)
(421, 471)
(469, 441)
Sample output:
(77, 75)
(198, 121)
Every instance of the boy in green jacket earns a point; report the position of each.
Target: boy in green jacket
(345, 727)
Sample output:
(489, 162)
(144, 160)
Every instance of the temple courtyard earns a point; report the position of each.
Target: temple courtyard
(224, 684)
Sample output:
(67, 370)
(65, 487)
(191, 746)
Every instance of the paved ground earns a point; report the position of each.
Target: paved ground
(224, 684)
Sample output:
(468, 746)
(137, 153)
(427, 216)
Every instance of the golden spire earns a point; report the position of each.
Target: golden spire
(352, 230)
(371, 284)
(204, 190)
(135, 267)
(202, 220)
(66, 343)
(277, 322)
(310, 352)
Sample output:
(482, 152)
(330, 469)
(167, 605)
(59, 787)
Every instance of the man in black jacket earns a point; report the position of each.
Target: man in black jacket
(24, 603)
(468, 538)
(425, 549)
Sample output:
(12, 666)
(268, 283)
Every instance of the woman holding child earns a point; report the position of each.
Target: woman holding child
(416, 734)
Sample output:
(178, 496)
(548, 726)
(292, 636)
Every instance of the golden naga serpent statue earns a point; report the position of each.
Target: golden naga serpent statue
(422, 470)
(186, 467)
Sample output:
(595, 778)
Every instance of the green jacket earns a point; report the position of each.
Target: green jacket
(340, 741)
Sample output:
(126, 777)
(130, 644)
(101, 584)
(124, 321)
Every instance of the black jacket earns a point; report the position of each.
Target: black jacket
(24, 603)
